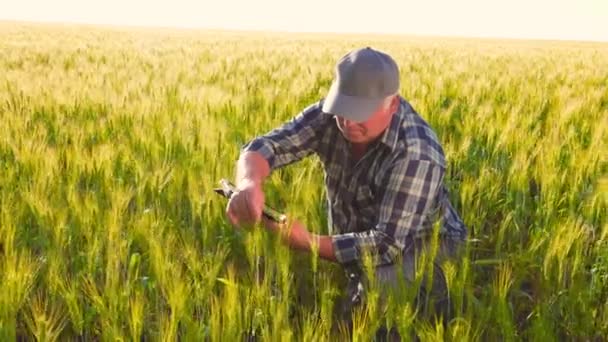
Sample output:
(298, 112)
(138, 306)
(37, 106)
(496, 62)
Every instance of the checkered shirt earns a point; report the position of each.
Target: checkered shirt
(394, 192)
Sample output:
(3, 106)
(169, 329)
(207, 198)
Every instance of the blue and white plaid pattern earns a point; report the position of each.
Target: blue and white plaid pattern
(393, 192)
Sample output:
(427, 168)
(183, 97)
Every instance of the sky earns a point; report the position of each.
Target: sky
(527, 19)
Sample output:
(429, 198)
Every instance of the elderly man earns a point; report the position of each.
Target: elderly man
(384, 173)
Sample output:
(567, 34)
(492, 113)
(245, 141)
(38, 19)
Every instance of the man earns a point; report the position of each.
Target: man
(384, 173)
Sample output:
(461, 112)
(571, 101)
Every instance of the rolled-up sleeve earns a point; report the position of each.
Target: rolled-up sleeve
(410, 188)
(293, 140)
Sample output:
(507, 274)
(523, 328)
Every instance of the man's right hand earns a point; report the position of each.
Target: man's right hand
(246, 204)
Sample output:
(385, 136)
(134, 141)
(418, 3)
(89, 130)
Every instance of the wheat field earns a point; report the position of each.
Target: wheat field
(112, 140)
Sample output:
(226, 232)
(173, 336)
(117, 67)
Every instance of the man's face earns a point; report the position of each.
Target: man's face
(368, 131)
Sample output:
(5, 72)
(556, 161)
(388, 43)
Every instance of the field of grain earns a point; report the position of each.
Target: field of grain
(112, 139)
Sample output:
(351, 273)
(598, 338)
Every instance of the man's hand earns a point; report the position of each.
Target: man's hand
(296, 236)
(246, 205)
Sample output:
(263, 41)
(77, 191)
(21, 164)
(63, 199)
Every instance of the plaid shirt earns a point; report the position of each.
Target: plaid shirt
(394, 192)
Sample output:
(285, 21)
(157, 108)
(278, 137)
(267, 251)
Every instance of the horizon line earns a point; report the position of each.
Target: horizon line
(280, 31)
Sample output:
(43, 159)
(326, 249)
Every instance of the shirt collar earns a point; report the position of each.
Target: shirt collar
(391, 134)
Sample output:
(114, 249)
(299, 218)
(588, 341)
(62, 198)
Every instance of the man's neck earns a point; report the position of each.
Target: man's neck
(358, 150)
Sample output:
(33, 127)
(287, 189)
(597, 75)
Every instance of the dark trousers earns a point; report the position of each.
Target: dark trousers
(429, 293)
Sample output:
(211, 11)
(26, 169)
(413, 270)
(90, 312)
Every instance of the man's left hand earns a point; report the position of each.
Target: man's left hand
(294, 233)
(296, 236)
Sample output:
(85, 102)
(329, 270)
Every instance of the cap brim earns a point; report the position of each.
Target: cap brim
(349, 107)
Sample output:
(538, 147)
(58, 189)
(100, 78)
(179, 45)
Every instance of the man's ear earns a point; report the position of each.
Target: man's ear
(394, 103)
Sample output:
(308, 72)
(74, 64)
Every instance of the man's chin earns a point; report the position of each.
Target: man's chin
(355, 138)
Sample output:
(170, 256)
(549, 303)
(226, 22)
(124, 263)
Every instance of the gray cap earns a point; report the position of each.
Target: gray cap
(364, 79)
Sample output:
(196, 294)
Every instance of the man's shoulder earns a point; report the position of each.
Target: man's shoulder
(417, 136)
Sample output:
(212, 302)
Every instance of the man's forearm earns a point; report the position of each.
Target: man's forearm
(251, 166)
(326, 248)
(299, 238)
(323, 243)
